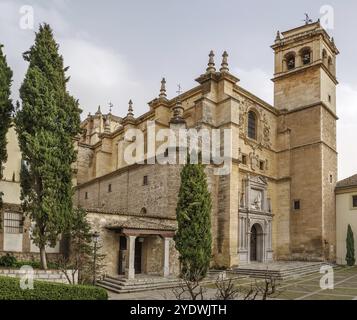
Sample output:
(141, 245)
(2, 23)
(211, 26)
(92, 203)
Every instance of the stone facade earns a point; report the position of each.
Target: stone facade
(278, 200)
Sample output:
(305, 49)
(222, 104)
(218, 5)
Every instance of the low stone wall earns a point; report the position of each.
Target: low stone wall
(32, 256)
(42, 275)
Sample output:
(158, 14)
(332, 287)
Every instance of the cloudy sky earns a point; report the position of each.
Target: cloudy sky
(120, 50)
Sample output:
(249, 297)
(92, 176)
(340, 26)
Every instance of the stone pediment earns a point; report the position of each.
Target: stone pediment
(258, 180)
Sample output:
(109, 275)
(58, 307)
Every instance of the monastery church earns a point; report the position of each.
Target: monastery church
(277, 203)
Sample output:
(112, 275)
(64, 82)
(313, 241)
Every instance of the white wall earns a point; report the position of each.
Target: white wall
(345, 215)
(13, 242)
(35, 249)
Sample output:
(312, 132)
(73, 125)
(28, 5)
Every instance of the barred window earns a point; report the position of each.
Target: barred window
(252, 125)
(13, 222)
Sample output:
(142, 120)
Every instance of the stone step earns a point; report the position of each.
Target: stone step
(138, 282)
(116, 285)
(136, 287)
(284, 273)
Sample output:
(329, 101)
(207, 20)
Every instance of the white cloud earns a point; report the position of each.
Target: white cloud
(98, 74)
(257, 82)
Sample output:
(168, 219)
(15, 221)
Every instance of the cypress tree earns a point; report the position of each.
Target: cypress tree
(350, 246)
(46, 125)
(6, 109)
(193, 238)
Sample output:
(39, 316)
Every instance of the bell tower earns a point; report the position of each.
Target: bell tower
(305, 68)
(305, 94)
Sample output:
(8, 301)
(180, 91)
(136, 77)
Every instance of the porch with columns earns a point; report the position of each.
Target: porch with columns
(135, 236)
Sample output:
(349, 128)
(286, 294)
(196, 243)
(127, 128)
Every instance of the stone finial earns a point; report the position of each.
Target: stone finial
(163, 94)
(130, 110)
(224, 65)
(99, 111)
(177, 117)
(211, 65)
(107, 124)
(278, 36)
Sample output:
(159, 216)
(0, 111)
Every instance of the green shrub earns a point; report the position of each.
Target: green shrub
(35, 265)
(350, 247)
(8, 261)
(10, 290)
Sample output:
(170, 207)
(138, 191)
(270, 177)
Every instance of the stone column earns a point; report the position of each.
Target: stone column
(166, 270)
(130, 272)
(120, 154)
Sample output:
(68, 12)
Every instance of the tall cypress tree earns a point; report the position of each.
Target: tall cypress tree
(193, 238)
(6, 109)
(46, 125)
(350, 246)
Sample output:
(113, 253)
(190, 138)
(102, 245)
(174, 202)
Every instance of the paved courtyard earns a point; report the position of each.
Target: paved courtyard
(303, 288)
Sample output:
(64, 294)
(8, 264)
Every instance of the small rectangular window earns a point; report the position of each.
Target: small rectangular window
(109, 188)
(13, 222)
(297, 205)
(354, 201)
(329, 98)
(145, 181)
(244, 159)
(86, 195)
(262, 165)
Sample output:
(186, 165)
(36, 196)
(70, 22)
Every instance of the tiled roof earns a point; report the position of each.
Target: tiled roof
(349, 182)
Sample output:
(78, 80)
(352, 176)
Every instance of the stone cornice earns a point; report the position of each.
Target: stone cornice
(217, 76)
(120, 213)
(238, 89)
(346, 189)
(316, 104)
(316, 64)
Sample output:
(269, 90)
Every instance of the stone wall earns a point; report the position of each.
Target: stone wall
(40, 275)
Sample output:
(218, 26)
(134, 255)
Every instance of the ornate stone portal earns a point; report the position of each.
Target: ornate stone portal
(255, 222)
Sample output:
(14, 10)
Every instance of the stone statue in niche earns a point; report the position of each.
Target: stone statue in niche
(257, 202)
(242, 204)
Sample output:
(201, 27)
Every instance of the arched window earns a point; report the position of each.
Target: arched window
(306, 56)
(330, 64)
(290, 61)
(252, 125)
(143, 211)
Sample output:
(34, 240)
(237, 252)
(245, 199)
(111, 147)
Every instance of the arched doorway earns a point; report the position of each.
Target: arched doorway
(256, 243)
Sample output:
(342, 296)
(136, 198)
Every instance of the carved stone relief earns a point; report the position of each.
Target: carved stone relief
(264, 130)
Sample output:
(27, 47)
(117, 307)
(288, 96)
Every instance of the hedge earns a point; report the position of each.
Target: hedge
(9, 261)
(10, 290)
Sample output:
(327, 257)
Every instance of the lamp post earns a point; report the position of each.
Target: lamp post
(95, 238)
